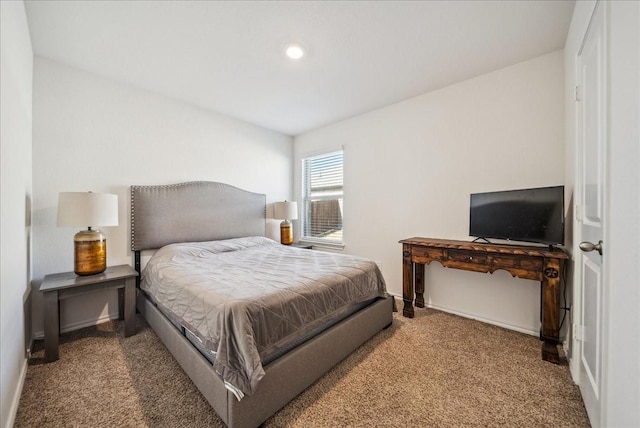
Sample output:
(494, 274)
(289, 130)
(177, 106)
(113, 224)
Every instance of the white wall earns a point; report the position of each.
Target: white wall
(621, 341)
(16, 65)
(90, 133)
(410, 167)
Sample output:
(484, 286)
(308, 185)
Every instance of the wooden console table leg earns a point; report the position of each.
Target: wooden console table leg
(407, 281)
(51, 326)
(419, 284)
(550, 331)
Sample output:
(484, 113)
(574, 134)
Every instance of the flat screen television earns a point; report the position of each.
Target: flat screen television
(527, 215)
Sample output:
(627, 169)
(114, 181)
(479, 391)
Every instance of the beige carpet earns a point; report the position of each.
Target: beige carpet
(436, 370)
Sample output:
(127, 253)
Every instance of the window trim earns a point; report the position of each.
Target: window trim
(318, 242)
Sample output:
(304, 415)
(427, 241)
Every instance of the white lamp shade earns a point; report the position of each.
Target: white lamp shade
(285, 210)
(88, 209)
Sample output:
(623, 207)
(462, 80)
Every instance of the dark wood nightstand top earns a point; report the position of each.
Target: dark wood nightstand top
(59, 281)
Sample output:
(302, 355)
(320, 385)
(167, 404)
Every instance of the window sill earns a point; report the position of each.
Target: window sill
(323, 245)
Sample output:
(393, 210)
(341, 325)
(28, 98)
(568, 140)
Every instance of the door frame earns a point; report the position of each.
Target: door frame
(621, 341)
(576, 306)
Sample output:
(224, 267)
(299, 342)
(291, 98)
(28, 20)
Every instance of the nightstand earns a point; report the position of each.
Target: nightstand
(62, 286)
(301, 245)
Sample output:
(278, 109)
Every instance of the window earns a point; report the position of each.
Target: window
(322, 198)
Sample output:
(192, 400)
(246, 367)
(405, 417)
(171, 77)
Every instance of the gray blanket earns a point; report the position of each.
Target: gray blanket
(247, 298)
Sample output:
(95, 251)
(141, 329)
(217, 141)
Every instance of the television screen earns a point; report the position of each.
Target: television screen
(529, 215)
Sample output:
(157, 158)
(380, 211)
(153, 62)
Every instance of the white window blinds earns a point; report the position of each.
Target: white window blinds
(322, 193)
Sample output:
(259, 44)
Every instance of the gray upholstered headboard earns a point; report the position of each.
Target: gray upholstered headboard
(193, 212)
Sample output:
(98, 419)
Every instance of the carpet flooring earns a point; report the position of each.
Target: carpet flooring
(435, 370)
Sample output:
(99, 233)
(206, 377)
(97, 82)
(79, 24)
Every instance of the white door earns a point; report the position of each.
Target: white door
(590, 186)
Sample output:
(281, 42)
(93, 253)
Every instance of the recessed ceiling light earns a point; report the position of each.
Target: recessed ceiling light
(295, 51)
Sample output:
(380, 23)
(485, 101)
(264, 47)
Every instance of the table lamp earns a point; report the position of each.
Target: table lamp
(77, 209)
(286, 211)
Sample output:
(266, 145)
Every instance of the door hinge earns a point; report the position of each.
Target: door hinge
(578, 332)
(578, 94)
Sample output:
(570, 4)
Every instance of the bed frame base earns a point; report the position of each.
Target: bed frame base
(285, 377)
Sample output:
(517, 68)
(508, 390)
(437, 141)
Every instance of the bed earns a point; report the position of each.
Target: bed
(187, 223)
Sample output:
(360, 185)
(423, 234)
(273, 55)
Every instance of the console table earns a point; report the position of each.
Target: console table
(527, 262)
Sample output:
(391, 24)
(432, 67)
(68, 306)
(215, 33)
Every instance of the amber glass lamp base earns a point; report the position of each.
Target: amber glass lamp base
(90, 252)
(286, 233)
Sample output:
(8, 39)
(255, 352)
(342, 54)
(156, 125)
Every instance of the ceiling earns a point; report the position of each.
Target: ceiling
(360, 55)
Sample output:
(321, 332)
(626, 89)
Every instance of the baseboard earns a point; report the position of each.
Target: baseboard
(15, 401)
(39, 335)
(476, 317)
(574, 364)
(32, 341)
(397, 296)
(484, 319)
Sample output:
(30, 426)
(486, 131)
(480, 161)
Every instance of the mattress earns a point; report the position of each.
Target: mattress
(210, 354)
(248, 300)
